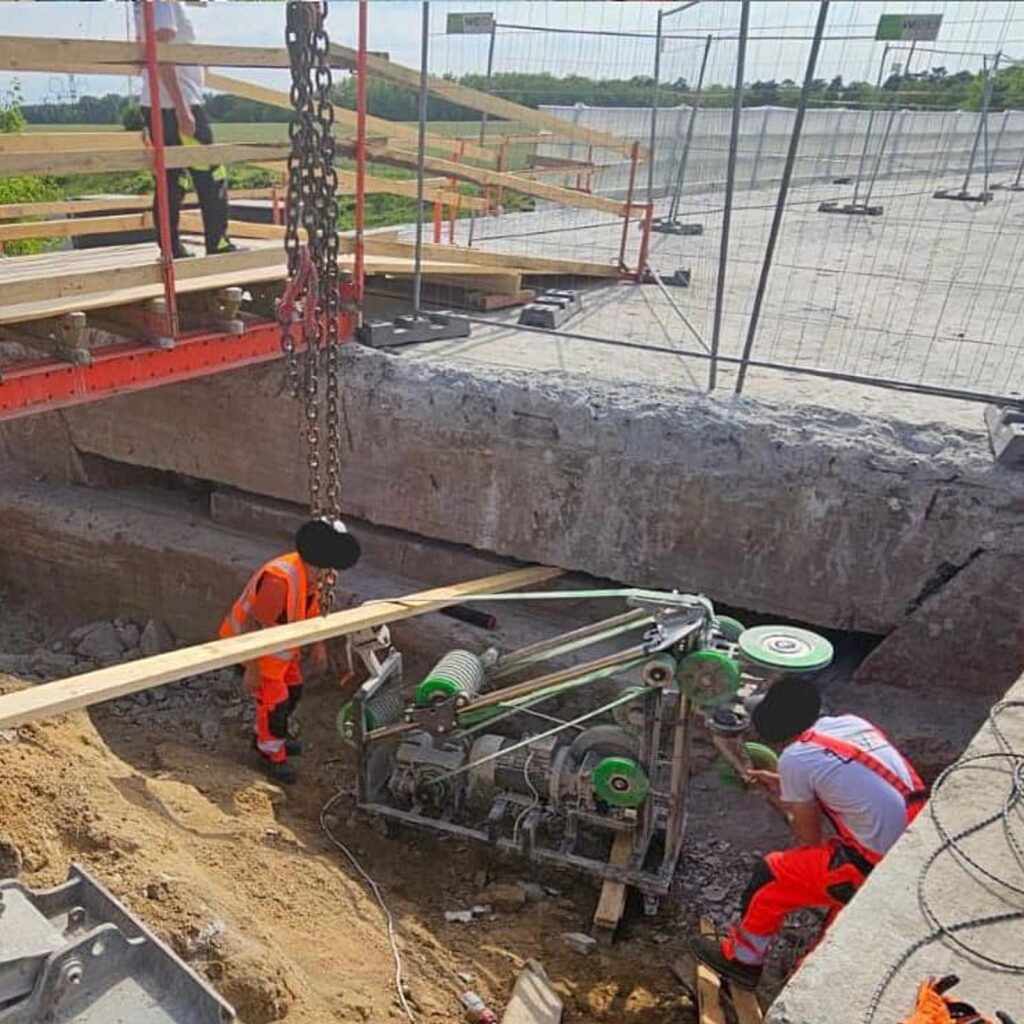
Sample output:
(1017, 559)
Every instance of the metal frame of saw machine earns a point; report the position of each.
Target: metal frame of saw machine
(681, 658)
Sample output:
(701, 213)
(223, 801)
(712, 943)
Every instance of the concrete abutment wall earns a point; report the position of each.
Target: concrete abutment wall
(823, 516)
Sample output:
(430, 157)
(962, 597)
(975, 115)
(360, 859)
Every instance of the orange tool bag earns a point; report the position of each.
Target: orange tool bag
(935, 1007)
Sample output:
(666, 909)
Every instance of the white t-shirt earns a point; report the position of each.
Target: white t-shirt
(171, 14)
(872, 809)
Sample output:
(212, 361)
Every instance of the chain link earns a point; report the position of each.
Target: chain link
(313, 206)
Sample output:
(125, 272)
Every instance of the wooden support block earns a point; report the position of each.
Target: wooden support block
(64, 337)
(146, 320)
(744, 1002)
(613, 894)
(218, 309)
(90, 688)
(709, 987)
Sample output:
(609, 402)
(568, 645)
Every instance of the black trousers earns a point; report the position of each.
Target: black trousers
(211, 184)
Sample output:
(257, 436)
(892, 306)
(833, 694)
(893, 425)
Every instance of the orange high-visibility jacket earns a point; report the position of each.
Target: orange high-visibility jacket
(292, 571)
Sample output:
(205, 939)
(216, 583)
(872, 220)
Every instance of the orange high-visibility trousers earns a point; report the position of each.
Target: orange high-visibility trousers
(277, 693)
(825, 876)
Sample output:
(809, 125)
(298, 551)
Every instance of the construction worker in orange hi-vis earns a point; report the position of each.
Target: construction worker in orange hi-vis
(285, 590)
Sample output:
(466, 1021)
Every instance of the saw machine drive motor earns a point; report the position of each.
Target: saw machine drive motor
(543, 753)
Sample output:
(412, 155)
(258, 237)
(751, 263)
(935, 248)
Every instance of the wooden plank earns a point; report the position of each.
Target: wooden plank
(27, 53)
(613, 894)
(709, 987)
(345, 117)
(512, 261)
(495, 106)
(89, 162)
(744, 1002)
(98, 204)
(83, 691)
(81, 283)
(433, 189)
(32, 288)
(512, 182)
(79, 226)
(67, 142)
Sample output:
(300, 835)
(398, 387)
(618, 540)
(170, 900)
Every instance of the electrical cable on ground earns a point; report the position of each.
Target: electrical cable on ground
(378, 895)
(951, 843)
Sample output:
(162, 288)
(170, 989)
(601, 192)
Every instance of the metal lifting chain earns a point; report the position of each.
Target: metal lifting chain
(314, 279)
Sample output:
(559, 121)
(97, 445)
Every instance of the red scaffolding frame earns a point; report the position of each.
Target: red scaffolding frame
(43, 385)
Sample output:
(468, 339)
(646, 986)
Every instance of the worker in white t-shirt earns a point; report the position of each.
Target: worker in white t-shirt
(185, 123)
(834, 772)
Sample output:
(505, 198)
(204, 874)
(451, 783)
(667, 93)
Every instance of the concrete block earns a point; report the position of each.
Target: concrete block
(551, 309)
(533, 1000)
(1006, 433)
(412, 330)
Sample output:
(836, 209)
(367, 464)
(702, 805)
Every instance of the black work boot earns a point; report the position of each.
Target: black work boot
(281, 771)
(292, 747)
(708, 950)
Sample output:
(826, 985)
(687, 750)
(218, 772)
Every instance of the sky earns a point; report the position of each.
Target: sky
(527, 41)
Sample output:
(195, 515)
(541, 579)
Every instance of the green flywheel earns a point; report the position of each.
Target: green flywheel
(620, 781)
(785, 648)
(729, 627)
(761, 757)
(709, 677)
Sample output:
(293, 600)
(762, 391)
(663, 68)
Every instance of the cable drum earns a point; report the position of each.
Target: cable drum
(459, 674)
(380, 710)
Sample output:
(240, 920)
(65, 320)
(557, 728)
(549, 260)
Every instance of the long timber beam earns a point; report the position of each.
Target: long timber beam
(91, 688)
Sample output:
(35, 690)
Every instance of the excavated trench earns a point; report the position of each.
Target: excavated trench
(140, 560)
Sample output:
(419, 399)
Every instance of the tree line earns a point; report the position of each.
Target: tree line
(931, 89)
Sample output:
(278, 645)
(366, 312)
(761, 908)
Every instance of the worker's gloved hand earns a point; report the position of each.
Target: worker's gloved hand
(934, 1007)
(251, 678)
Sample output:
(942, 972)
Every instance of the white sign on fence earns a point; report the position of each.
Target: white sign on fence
(921, 28)
(470, 24)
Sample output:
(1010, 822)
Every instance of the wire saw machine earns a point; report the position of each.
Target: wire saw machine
(475, 750)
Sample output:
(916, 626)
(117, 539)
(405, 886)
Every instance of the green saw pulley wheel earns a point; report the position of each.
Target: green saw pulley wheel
(620, 781)
(729, 627)
(709, 677)
(761, 757)
(785, 648)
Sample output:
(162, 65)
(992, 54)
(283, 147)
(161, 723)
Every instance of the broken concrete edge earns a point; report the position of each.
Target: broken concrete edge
(877, 951)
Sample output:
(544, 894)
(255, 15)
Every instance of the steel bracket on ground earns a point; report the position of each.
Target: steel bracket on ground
(961, 195)
(413, 330)
(665, 226)
(1006, 433)
(551, 309)
(73, 953)
(850, 209)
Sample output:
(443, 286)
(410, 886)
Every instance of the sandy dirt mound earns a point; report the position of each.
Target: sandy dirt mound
(236, 875)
